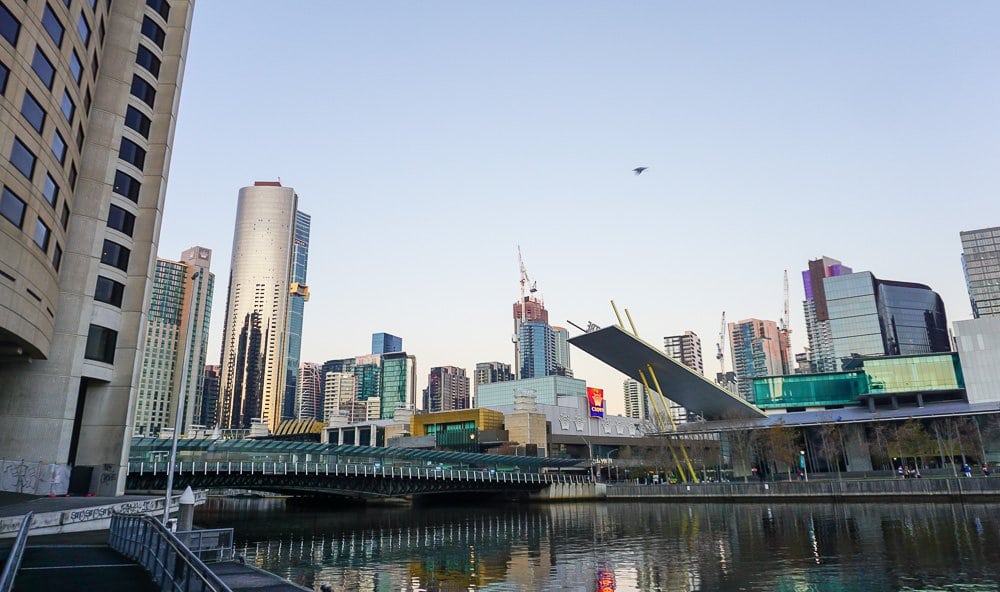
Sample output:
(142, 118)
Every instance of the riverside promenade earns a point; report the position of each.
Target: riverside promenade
(933, 489)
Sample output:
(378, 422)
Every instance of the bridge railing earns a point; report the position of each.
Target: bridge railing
(354, 470)
(170, 564)
(14, 557)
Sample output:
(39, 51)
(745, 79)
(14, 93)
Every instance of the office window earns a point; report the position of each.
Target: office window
(72, 176)
(64, 217)
(87, 100)
(162, 7)
(143, 90)
(76, 67)
(57, 257)
(43, 68)
(115, 255)
(109, 291)
(68, 106)
(4, 74)
(59, 147)
(80, 136)
(22, 159)
(53, 27)
(83, 27)
(136, 120)
(131, 153)
(121, 220)
(51, 190)
(41, 236)
(33, 112)
(10, 27)
(153, 31)
(101, 343)
(93, 64)
(12, 207)
(126, 186)
(145, 58)
(100, 30)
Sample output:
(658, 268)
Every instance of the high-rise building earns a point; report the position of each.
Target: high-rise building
(210, 396)
(821, 355)
(490, 372)
(254, 341)
(447, 389)
(756, 351)
(175, 343)
(981, 263)
(528, 309)
(397, 383)
(873, 317)
(562, 367)
(538, 350)
(636, 399)
(339, 394)
(86, 160)
(384, 343)
(297, 298)
(309, 393)
(686, 349)
(368, 371)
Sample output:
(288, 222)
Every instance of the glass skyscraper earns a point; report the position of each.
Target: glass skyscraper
(873, 317)
(821, 357)
(981, 263)
(384, 343)
(538, 349)
(298, 296)
(395, 383)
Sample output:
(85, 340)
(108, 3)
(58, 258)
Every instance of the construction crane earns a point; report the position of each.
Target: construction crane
(785, 342)
(721, 345)
(784, 316)
(531, 287)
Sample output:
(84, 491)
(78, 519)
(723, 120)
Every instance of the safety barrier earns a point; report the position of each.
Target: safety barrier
(16, 553)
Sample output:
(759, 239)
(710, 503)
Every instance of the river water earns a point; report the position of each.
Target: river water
(599, 547)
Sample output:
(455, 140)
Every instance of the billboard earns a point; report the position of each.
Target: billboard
(595, 397)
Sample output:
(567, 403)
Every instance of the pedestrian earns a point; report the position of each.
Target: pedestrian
(967, 470)
(986, 470)
(899, 471)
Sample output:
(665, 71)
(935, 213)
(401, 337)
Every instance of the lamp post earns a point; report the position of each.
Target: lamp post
(610, 463)
(802, 463)
(181, 396)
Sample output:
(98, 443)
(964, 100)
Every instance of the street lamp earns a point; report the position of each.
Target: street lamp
(802, 463)
(181, 395)
(610, 464)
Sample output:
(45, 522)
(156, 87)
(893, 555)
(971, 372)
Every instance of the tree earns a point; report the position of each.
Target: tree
(783, 444)
(831, 446)
(914, 441)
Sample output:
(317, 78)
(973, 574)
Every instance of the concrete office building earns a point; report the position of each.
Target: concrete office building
(981, 263)
(175, 344)
(636, 399)
(978, 345)
(686, 349)
(447, 390)
(90, 95)
(821, 356)
(297, 298)
(490, 372)
(340, 392)
(255, 335)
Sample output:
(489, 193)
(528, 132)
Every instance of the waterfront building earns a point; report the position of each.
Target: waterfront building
(538, 350)
(686, 349)
(255, 334)
(175, 343)
(384, 343)
(756, 347)
(981, 263)
(297, 298)
(873, 317)
(821, 354)
(308, 392)
(562, 365)
(978, 345)
(209, 396)
(548, 390)
(447, 389)
(339, 395)
(90, 91)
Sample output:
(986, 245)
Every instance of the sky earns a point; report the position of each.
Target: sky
(428, 140)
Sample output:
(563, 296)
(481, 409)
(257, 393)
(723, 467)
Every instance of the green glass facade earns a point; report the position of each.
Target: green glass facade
(394, 384)
(940, 372)
(872, 376)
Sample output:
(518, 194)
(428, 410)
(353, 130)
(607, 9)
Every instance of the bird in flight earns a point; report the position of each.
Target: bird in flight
(638, 170)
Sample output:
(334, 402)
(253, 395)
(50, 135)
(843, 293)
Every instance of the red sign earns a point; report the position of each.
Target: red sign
(595, 397)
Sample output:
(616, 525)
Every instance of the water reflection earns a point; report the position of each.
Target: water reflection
(621, 546)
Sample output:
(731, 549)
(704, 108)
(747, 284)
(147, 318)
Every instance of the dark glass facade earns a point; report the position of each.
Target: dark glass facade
(296, 310)
(538, 350)
(384, 343)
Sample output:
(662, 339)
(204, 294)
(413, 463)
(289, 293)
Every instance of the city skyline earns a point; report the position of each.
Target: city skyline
(823, 136)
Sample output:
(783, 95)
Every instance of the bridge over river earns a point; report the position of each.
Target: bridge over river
(310, 468)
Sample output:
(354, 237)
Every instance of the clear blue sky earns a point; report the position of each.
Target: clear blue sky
(429, 139)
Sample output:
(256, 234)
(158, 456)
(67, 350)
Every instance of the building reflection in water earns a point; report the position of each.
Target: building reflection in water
(619, 546)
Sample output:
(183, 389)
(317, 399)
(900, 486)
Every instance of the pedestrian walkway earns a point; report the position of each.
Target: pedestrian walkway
(79, 568)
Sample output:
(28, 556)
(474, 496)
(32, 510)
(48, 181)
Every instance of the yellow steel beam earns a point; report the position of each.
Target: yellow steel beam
(661, 426)
(618, 316)
(659, 391)
(629, 316)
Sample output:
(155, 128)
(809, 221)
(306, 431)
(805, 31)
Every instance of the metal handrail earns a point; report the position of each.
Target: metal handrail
(171, 565)
(16, 554)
